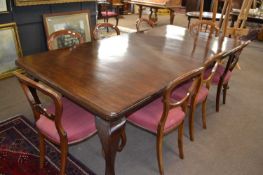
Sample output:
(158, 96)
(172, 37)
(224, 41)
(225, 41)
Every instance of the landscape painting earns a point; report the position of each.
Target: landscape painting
(10, 49)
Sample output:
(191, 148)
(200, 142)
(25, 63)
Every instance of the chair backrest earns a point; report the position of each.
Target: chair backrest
(31, 89)
(63, 39)
(211, 63)
(233, 59)
(105, 30)
(143, 24)
(169, 103)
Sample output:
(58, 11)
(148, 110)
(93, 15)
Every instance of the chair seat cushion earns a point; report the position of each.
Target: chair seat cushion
(181, 91)
(219, 72)
(78, 123)
(109, 14)
(149, 117)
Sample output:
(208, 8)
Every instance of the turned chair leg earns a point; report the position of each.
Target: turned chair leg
(225, 87)
(191, 121)
(42, 150)
(204, 113)
(63, 158)
(180, 139)
(218, 93)
(117, 20)
(159, 151)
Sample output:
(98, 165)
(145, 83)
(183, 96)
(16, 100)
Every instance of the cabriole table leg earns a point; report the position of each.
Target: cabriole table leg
(112, 137)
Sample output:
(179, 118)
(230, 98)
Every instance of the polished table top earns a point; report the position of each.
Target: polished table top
(115, 76)
(205, 15)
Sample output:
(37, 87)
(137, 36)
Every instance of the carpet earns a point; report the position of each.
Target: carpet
(19, 153)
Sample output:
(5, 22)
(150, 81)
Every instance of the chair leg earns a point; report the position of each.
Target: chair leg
(117, 20)
(159, 151)
(42, 150)
(218, 93)
(225, 87)
(63, 159)
(191, 120)
(204, 113)
(180, 139)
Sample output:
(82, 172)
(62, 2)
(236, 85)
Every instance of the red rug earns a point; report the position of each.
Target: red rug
(21, 163)
(19, 154)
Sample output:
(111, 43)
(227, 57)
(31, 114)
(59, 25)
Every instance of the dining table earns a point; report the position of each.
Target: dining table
(116, 76)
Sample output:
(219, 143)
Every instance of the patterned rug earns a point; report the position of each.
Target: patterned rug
(19, 153)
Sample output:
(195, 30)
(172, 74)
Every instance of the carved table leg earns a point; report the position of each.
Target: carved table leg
(171, 16)
(112, 137)
(155, 14)
(140, 11)
(153, 11)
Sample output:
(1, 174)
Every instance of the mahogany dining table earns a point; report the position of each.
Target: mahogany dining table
(116, 76)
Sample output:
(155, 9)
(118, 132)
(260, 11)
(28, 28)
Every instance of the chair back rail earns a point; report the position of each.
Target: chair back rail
(98, 29)
(143, 21)
(233, 59)
(52, 38)
(212, 62)
(30, 89)
(169, 102)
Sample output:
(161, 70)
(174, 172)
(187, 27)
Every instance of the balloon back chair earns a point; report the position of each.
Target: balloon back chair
(165, 114)
(63, 39)
(224, 72)
(105, 30)
(143, 24)
(202, 93)
(62, 123)
(110, 10)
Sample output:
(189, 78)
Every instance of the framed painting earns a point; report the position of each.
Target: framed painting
(40, 2)
(76, 21)
(3, 6)
(10, 49)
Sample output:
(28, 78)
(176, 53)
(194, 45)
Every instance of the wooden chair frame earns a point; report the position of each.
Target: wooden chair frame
(106, 25)
(31, 88)
(169, 103)
(143, 20)
(230, 65)
(56, 34)
(212, 62)
(105, 6)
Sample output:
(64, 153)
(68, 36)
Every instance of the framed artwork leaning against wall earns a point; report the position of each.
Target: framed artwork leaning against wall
(76, 21)
(3, 6)
(41, 2)
(10, 49)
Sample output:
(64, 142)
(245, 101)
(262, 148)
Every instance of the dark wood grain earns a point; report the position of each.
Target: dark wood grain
(114, 76)
(154, 6)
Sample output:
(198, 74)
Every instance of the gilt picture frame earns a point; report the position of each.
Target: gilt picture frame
(76, 21)
(10, 49)
(3, 6)
(42, 2)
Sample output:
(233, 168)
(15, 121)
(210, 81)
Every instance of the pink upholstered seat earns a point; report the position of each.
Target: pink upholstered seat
(180, 92)
(109, 14)
(219, 72)
(149, 117)
(76, 121)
